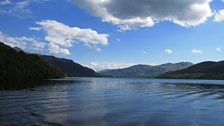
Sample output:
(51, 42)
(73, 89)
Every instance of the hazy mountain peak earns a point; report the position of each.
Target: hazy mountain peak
(142, 70)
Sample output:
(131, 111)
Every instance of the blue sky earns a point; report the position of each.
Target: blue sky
(102, 34)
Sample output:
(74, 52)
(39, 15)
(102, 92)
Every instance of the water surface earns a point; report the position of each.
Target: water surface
(115, 102)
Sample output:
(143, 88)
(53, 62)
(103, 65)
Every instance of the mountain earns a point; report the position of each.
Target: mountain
(16, 64)
(175, 66)
(145, 70)
(204, 70)
(70, 67)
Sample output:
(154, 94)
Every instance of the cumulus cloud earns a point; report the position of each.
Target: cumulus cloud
(31, 43)
(55, 49)
(20, 42)
(219, 16)
(64, 35)
(132, 14)
(196, 51)
(58, 37)
(168, 51)
(38, 45)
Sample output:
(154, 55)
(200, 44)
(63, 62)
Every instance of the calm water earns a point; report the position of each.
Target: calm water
(114, 102)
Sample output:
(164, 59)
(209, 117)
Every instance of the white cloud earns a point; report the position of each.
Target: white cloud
(108, 65)
(55, 49)
(218, 49)
(38, 45)
(31, 43)
(102, 65)
(22, 42)
(98, 49)
(219, 16)
(132, 14)
(197, 51)
(35, 28)
(58, 36)
(168, 51)
(19, 8)
(64, 35)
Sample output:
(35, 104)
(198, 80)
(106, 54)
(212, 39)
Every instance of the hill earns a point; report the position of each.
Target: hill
(145, 70)
(16, 64)
(204, 70)
(70, 67)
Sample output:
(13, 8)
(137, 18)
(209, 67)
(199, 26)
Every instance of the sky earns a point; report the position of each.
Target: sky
(108, 34)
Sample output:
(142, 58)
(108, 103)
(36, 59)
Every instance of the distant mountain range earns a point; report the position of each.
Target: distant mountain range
(16, 64)
(204, 70)
(145, 70)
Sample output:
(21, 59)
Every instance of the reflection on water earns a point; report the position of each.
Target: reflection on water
(110, 102)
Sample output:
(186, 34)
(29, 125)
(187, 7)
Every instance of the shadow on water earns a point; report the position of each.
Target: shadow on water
(19, 84)
(197, 86)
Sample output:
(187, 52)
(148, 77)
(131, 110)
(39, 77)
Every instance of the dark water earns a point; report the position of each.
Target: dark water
(114, 102)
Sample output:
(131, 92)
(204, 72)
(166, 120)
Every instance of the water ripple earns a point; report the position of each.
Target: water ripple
(109, 102)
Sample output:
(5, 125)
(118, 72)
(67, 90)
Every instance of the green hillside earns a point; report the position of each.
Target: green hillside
(69, 67)
(204, 70)
(16, 64)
